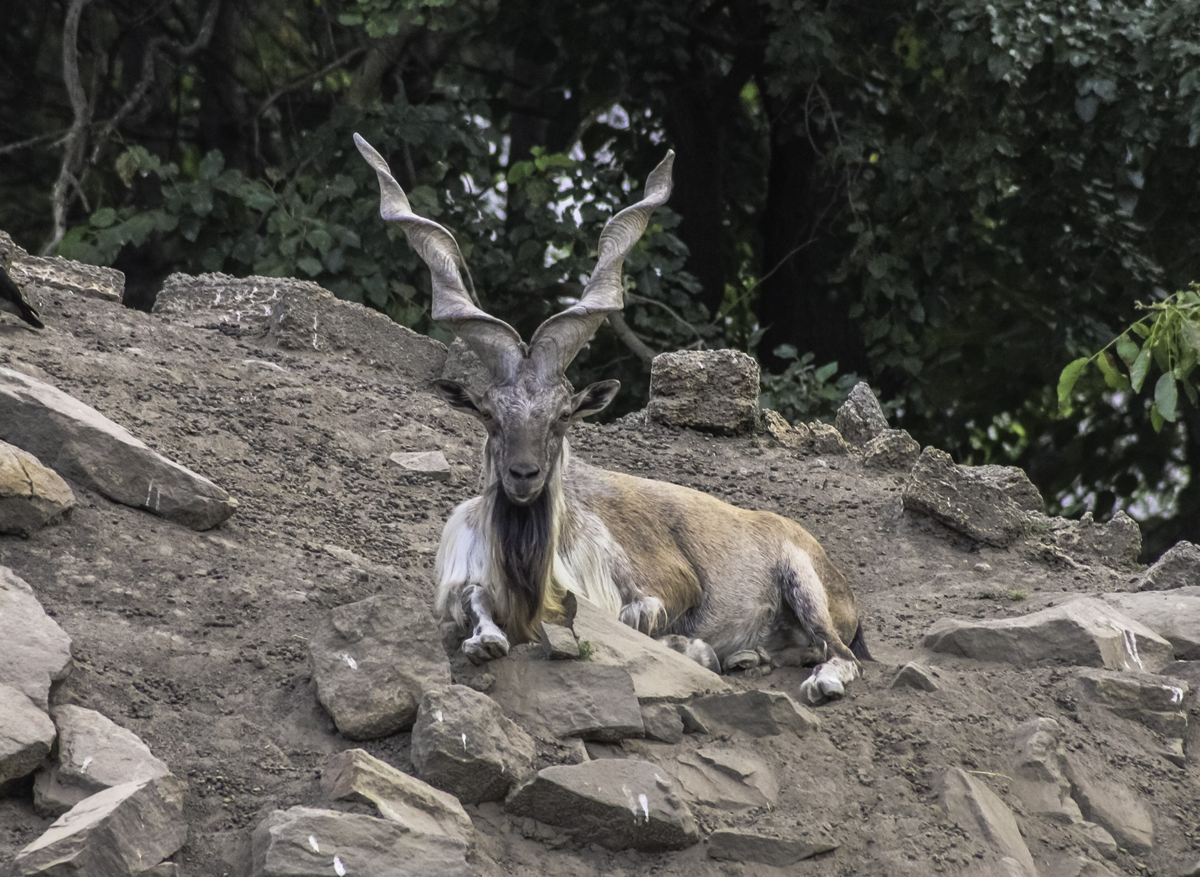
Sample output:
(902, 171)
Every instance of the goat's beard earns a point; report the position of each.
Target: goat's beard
(524, 541)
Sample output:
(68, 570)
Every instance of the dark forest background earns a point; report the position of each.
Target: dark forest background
(950, 200)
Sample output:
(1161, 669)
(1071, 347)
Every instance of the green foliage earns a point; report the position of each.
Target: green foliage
(1168, 337)
(804, 391)
(586, 650)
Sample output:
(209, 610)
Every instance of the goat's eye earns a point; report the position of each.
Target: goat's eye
(486, 416)
(565, 416)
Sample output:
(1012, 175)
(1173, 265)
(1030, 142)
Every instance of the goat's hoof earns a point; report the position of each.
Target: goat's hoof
(743, 660)
(821, 688)
(485, 647)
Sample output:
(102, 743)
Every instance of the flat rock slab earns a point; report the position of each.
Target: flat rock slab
(1173, 615)
(34, 650)
(94, 753)
(734, 845)
(310, 842)
(658, 672)
(431, 464)
(757, 713)
(35, 274)
(356, 775)
(26, 735)
(980, 813)
(1177, 568)
(861, 417)
(963, 499)
(568, 698)
(31, 495)
(616, 803)
(373, 661)
(80, 443)
(1158, 702)
(300, 315)
(662, 722)
(709, 390)
(726, 779)
(121, 831)
(1084, 632)
(1117, 809)
(464, 744)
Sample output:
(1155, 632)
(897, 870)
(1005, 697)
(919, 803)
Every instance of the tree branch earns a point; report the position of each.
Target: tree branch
(639, 347)
(77, 134)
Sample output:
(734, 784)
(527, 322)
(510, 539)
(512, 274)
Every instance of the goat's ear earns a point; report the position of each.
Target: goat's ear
(594, 398)
(457, 396)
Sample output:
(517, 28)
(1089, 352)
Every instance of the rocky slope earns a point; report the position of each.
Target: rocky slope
(980, 742)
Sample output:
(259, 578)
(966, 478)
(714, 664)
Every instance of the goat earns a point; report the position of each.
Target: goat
(724, 585)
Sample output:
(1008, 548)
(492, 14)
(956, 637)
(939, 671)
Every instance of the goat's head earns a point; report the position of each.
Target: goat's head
(528, 405)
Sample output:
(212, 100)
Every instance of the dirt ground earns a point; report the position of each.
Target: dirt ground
(196, 641)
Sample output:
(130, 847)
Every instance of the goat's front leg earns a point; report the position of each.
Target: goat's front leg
(487, 641)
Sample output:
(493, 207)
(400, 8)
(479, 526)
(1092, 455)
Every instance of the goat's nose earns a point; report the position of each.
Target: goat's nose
(523, 471)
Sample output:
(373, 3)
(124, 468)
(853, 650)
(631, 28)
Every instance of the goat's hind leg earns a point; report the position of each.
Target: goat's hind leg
(805, 594)
(487, 641)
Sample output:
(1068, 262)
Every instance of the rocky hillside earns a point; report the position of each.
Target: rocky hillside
(216, 654)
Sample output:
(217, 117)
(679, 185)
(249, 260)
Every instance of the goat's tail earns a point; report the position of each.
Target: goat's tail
(858, 645)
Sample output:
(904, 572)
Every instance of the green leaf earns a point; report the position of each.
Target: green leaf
(309, 265)
(103, 218)
(1156, 419)
(1137, 371)
(1066, 381)
(1166, 397)
(1128, 350)
(1112, 377)
(212, 165)
(825, 372)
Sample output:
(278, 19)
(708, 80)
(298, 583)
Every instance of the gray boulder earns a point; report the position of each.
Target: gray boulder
(662, 722)
(1154, 701)
(94, 754)
(31, 495)
(1116, 543)
(558, 643)
(709, 390)
(740, 845)
(1038, 775)
(300, 315)
(756, 713)
(963, 499)
(1173, 615)
(569, 698)
(726, 779)
(34, 651)
(1083, 632)
(658, 672)
(914, 675)
(83, 445)
(1177, 568)
(26, 735)
(983, 816)
(861, 417)
(125, 830)
(464, 367)
(355, 775)
(463, 743)
(373, 661)
(616, 803)
(310, 842)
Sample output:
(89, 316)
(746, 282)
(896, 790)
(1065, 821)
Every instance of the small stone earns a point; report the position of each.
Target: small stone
(356, 775)
(432, 464)
(662, 722)
(692, 723)
(31, 495)
(861, 417)
(373, 661)
(757, 713)
(26, 735)
(559, 643)
(709, 390)
(892, 449)
(94, 754)
(735, 845)
(1099, 839)
(463, 743)
(1177, 568)
(126, 829)
(619, 804)
(914, 675)
(1038, 777)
